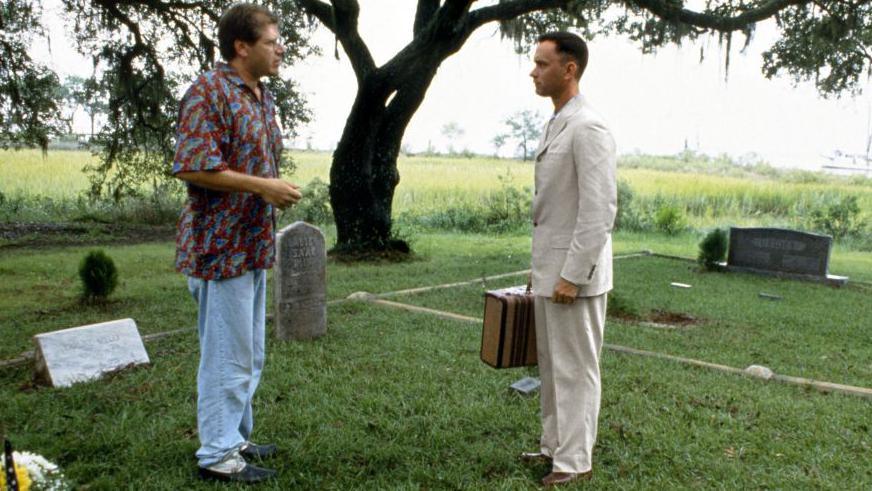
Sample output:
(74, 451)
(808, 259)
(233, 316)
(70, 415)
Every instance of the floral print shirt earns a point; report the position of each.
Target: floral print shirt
(222, 125)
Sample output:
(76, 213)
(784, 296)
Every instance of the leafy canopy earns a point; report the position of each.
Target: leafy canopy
(144, 53)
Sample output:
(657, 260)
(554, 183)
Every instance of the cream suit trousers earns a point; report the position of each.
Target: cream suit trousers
(569, 339)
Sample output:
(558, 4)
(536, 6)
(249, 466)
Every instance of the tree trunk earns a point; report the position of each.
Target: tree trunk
(364, 172)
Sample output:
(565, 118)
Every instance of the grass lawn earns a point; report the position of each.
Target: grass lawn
(395, 400)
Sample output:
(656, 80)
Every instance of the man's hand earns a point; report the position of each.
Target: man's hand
(279, 192)
(564, 292)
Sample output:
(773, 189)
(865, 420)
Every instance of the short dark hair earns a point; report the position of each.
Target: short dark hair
(569, 45)
(242, 22)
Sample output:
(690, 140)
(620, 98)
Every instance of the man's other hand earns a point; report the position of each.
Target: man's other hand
(564, 292)
(280, 193)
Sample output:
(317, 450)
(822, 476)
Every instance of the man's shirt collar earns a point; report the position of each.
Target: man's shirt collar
(229, 72)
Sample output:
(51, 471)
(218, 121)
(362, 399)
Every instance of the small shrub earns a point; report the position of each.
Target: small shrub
(670, 219)
(840, 218)
(713, 249)
(507, 209)
(315, 207)
(99, 276)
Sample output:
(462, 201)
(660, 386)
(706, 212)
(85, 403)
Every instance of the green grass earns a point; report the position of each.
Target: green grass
(40, 287)
(815, 331)
(394, 400)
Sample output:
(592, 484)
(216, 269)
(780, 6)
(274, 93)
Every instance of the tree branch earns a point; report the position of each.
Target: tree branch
(668, 11)
(510, 10)
(322, 11)
(450, 16)
(426, 9)
(343, 17)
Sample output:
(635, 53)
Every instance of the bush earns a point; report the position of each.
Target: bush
(315, 207)
(670, 219)
(507, 209)
(99, 276)
(713, 249)
(634, 214)
(462, 218)
(840, 218)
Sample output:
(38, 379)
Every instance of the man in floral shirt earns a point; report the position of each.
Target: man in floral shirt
(228, 149)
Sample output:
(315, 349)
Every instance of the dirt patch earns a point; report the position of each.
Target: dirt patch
(673, 318)
(624, 315)
(41, 235)
(656, 318)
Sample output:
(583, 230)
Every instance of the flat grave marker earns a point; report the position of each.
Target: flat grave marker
(84, 353)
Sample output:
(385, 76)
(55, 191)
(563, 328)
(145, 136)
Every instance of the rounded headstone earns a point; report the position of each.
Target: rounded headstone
(300, 283)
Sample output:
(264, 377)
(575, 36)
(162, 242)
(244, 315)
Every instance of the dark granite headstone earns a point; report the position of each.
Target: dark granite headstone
(782, 252)
(301, 283)
(85, 353)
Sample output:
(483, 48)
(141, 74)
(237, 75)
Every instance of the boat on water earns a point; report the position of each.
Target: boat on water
(849, 162)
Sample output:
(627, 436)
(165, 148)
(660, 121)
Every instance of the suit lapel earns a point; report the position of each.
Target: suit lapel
(559, 124)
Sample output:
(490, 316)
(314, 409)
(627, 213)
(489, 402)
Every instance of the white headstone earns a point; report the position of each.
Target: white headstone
(301, 283)
(85, 353)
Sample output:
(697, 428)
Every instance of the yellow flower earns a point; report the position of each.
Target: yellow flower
(21, 474)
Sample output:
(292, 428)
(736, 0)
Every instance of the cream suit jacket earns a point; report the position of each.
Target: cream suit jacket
(575, 202)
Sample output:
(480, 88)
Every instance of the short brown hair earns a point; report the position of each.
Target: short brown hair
(569, 45)
(242, 22)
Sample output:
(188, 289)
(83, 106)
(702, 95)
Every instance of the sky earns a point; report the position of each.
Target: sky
(655, 103)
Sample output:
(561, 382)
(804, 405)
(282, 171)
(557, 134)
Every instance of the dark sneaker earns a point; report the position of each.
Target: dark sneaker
(251, 450)
(234, 469)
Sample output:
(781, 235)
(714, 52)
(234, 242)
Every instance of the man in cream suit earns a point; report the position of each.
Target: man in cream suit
(573, 212)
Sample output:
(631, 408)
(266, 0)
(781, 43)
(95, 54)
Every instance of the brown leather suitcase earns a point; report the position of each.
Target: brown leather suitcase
(508, 337)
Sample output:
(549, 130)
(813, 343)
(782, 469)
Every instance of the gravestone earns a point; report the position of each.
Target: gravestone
(300, 283)
(85, 353)
(782, 252)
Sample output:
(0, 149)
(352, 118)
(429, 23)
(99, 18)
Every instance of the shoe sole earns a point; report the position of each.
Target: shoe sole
(208, 475)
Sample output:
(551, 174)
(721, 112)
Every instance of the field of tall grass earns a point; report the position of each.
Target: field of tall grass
(488, 194)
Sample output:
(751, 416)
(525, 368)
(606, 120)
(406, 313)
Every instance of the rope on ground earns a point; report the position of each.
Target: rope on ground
(748, 372)
(670, 256)
(423, 289)
(425, 310)
(18, 360)
(158, 335)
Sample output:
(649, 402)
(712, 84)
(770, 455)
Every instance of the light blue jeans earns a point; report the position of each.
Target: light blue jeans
(231, 319)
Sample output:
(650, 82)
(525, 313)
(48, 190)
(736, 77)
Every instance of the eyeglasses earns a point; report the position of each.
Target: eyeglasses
(273, 43)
